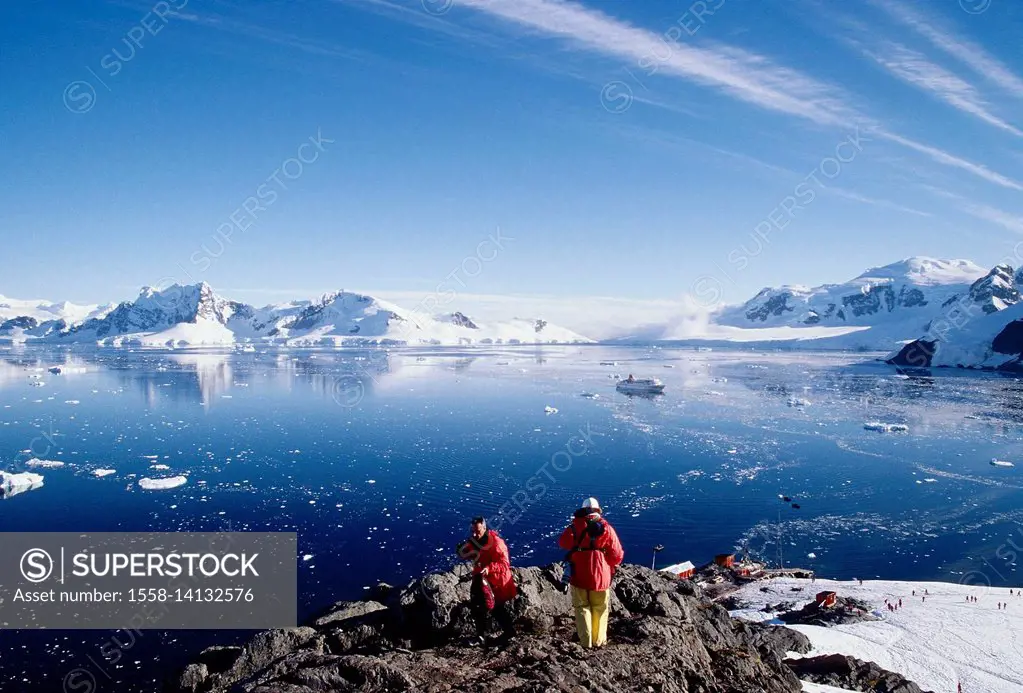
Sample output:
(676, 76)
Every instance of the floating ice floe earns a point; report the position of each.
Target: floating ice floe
(36, 383)
(1001, 463)
(811, 555)
(46, 464)
(71, 401)
(550, 410)
(12, 484)
(590, 395)
(159, 466)
(886, 427)
(103, 472)
(799, 402)
(162, 484)
(608, 363)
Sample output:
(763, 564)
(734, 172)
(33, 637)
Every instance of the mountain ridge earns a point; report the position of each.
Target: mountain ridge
(195, 315)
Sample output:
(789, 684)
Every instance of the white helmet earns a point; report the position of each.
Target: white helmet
(592, 504)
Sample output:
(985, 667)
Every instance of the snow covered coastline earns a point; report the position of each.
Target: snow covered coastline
(938, 638)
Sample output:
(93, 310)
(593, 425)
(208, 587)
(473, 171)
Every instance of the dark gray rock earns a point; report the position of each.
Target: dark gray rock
(851, 674)
(193, 678)
(219, 658)
(343, 613)
(917, 354)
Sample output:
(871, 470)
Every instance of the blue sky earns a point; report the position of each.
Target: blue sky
(626, 149)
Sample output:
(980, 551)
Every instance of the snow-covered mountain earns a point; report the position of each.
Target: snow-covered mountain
(880, 309)
(196, 315)
(984, 332)
(21, 320)
(912, 289)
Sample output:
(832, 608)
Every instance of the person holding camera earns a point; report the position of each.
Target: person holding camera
(493, 585)
(594, 555)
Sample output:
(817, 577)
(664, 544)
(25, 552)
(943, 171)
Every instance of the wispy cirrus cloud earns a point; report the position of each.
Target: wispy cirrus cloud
(1007, 220)
(743, 75)
(964, 50)
(874, 201)
(942, 157)
(914, 68)
(746, 76)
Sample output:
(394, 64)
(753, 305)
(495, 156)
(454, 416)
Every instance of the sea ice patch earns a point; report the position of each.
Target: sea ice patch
(162, 484)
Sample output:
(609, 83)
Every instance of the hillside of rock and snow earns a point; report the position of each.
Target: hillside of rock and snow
(907, 290)
(196, 315)
(21, 320)
(880, 309)
(968, 340)
(937, 639)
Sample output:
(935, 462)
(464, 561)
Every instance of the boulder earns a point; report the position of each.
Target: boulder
(851, 674)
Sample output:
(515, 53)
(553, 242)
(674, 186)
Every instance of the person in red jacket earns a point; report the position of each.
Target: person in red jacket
(493, 585)
(595, 554)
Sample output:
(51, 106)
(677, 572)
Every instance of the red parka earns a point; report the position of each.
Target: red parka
(595, 561)
(494, 556)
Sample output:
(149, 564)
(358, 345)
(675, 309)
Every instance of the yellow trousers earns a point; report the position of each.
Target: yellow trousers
(590, 616)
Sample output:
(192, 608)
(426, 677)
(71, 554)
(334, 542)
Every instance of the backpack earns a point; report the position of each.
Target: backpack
(594, 528)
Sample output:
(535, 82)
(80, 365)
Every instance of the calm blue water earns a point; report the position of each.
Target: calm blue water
(379, 459)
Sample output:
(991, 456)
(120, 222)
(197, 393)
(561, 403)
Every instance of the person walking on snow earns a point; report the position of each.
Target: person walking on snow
(493, 585)
(595, 554)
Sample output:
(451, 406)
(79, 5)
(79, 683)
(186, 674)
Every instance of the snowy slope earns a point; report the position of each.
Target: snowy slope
(880, 310)
(937, 643)
(974, 340)
(46, 310)
(23, 320)
(196, 315)
(910, 290)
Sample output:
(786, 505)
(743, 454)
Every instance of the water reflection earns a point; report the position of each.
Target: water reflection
(345, 378)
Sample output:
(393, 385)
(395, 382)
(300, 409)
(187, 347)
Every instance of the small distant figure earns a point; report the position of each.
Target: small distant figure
(861, 582)
(630, 379)
(960, 688)
(923, 599)
(927, 592)
(900, 602)
(914, 593)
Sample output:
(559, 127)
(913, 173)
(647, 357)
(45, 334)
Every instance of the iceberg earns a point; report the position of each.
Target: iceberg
(1001, 463)
(45, 464)
(162, 484)
(12, 484)
(886, 427)
(103, 472)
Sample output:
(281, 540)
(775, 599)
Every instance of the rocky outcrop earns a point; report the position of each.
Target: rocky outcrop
(665, 636)
(851, 674)
(844, 610)
(462, 320)
(996, 290)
